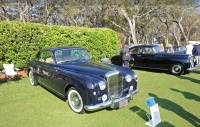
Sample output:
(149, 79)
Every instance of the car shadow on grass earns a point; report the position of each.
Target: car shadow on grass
(196, 72)
(177, 109)
(140, 112)
(99, 110)
(66, 100)
(190, 79)
(187, 95)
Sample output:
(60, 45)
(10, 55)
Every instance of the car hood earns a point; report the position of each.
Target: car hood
(88, 68)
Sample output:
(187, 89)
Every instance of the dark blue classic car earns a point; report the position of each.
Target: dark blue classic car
(150, 56)
(70, 73)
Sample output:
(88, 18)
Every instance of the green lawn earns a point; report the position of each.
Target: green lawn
(178, 98)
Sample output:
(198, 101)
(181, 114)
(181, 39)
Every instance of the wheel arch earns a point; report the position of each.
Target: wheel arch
(81, 88)
(29, 69)
(67, 88)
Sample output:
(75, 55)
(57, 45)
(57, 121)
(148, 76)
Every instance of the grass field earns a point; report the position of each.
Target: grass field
(178, 97)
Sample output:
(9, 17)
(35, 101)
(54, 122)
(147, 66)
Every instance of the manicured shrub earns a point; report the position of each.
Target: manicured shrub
(21, 41)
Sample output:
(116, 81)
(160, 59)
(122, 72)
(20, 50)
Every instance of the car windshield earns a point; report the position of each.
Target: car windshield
(68, 55)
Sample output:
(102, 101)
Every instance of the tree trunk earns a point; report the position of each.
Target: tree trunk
(21, 17)
(183, 32)
(23, 9)
(176, 34)
(134, 31)
(4, 18)
(166, 41)
(4, 14)
(176, 39)
(131, 28)
(74, 21)
(131, 25)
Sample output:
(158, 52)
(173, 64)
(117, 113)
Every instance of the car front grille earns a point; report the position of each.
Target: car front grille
(115, 84)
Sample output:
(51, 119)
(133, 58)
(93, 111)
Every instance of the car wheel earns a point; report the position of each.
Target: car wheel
(32, 78)
(176, 69)
(75, 101)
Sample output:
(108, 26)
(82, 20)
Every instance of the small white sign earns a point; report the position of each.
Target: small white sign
(155, 115)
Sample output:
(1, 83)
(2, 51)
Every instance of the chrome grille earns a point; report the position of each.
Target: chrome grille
(115, 83)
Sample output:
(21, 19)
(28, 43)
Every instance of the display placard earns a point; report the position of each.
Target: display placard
(150, 102)
(155, 116)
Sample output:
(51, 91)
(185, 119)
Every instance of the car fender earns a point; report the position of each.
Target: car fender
(83, 84)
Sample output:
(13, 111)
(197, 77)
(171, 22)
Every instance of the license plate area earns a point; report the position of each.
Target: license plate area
(123, 103)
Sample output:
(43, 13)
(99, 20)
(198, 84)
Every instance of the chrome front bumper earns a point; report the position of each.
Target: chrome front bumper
(110, 102)
(191, 69)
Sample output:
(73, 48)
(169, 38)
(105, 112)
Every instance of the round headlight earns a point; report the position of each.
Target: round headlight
(104, 97)
(128, 78)
(102, 85)
(131, 88)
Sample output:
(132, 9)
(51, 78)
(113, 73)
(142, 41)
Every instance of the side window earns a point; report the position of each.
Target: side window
(149, 50)
(143, 50)
(146, 50)
(59, 56)
(46, 57)
(134, 50)
(40, 57)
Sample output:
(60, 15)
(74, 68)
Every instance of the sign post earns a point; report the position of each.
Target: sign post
(154, 119)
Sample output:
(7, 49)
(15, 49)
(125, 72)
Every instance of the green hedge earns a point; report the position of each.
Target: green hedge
(19, 42)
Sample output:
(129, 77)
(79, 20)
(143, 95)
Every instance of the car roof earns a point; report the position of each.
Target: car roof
(178, 46)
(58, 48)
(143, 46)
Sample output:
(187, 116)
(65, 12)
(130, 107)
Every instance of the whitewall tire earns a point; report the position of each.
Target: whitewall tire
(75, 101)
(32, 78)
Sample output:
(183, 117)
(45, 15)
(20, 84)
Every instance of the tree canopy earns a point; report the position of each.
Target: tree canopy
(141, 21)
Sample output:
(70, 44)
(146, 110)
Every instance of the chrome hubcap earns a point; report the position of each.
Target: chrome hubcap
(176, 69)
(75, 101)
(31, 78)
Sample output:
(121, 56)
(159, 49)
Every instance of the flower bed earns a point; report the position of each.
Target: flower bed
(19, 74)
